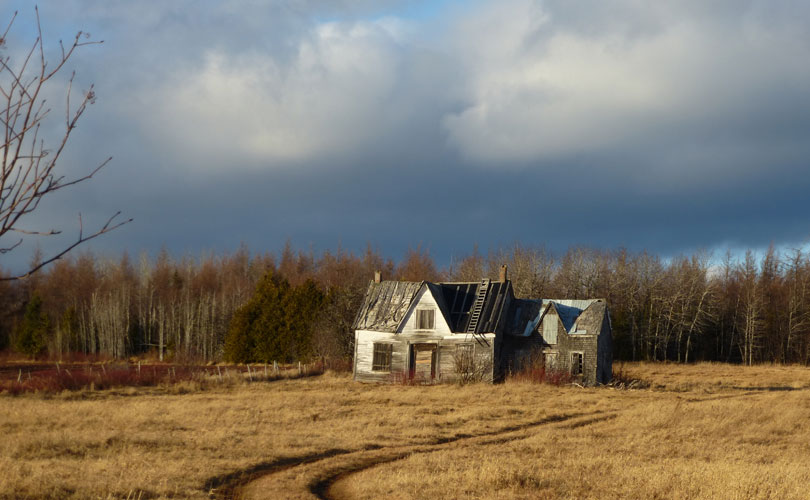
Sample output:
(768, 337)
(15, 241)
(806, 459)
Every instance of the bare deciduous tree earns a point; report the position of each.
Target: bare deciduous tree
(29, 161)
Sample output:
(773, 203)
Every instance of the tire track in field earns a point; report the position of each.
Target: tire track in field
(226, 485)
(342, 463)
(325, 468)
(323, 487)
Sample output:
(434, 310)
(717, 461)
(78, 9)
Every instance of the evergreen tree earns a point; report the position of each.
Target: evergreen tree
(275, 324)
(33, 332)
(70, 328)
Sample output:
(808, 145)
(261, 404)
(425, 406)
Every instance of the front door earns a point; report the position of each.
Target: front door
(423, 361)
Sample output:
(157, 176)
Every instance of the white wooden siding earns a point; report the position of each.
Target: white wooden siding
(445, 370)
(364, 355)
(424, 300)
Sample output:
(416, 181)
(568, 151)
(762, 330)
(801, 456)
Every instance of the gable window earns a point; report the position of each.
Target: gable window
(382, 357)
(425, 319)
(577, 359)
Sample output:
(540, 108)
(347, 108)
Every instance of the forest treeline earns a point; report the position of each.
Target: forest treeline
(299, 305)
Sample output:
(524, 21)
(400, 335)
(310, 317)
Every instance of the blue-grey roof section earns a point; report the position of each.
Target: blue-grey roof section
(526, 315)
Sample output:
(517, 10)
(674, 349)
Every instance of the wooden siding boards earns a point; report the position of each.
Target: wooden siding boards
(445, 366)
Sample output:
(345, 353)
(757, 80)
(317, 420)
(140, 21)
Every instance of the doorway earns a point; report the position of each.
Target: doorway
(423, 362)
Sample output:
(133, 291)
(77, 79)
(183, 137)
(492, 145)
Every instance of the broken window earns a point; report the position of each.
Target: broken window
(382, 358)
(576, 363)
(425, 319)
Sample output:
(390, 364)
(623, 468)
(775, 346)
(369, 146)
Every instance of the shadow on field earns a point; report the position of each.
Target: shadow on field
(771, 388)
(226, 485)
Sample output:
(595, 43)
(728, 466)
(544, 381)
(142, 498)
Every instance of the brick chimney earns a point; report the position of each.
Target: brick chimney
(503, 273)
(377, 276)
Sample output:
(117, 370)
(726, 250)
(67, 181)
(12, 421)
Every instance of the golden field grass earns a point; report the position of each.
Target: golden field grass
(698, 431)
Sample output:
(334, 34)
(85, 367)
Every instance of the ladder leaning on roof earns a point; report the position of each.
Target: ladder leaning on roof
(478, 306)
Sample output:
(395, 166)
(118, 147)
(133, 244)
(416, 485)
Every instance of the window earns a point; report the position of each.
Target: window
(576, 363)
(382, 358)
(425, 319)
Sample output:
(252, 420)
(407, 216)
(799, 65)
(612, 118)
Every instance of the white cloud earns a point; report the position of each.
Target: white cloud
(330, 98)
(542, 83)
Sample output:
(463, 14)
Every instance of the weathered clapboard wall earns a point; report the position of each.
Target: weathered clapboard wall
(364, 341)
(590, 336)
(604, 373)
(483, 347)
(446, 345)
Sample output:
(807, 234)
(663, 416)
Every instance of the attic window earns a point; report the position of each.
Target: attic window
(382, 357)
(425, 319)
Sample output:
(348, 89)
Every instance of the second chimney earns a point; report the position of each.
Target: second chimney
(503, 273)
(377, 276)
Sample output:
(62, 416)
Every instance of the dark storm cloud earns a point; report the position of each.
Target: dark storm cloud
(667, 127)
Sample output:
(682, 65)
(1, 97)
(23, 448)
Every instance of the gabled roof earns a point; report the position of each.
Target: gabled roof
(592, 317)
(386, 303)
(576, 315)
(459, 299)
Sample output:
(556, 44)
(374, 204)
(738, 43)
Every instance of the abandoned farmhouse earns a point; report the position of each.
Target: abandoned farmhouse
(441, 332)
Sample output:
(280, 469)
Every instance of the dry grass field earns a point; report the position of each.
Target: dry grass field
(698, 431)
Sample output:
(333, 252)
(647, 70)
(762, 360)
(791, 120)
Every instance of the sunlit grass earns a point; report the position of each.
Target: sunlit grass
(705, 430)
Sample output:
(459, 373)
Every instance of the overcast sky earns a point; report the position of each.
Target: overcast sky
(666, 126)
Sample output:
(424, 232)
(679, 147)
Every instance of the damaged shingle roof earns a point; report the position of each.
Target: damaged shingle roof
(591, 318)
(385, 304)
